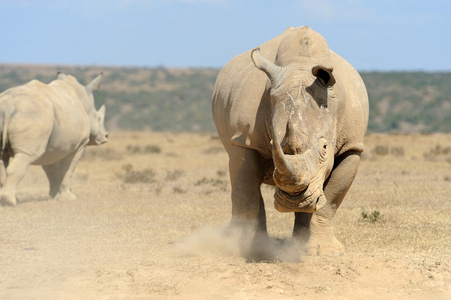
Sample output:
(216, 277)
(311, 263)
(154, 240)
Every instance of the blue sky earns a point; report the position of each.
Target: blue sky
(381, 35)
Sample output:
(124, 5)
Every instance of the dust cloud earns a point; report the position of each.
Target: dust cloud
(211, 241)
(231, 241)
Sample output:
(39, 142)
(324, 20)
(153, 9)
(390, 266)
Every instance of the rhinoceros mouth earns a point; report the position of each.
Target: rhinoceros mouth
(304, 201)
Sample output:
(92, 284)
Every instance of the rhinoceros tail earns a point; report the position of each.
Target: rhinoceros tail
(6, 116)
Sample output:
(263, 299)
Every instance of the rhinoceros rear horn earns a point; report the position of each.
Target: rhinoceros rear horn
(60, 76)
(271, 69)
(95, 83)
(324, 74)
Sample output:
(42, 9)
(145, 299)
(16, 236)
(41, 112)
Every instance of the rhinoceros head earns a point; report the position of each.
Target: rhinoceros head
(98, 134)
(302, 122)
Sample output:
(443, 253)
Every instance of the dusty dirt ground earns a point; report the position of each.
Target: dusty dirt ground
(148, 224)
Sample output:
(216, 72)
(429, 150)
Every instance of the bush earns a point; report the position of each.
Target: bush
(174, 175)
(133, 176)
(93, 153)
(152, 149)
(371, 217)
(437, 153)
(381, 150)
(221, 184)
(135, 149)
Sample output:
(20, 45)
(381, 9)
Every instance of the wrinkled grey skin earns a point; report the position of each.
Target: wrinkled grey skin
(48, 125)
(291, 113)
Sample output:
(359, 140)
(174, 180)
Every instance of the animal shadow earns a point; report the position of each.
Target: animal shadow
(23, 198)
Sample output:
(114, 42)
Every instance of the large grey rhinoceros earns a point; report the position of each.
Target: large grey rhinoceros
(291, 113)
(49, 125)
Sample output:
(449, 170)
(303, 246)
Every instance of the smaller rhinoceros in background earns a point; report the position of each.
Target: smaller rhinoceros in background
(48, 125)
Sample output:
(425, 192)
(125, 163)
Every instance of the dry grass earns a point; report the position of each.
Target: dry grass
(162, 238)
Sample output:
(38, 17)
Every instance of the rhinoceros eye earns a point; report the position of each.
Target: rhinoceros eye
(322, 148)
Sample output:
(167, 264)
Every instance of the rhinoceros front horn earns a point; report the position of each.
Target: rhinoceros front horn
(290, 171)
(282, 165)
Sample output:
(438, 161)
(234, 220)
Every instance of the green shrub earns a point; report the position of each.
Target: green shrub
(371, 217)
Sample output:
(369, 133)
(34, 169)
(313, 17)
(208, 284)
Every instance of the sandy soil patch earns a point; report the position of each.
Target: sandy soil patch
(148, 224)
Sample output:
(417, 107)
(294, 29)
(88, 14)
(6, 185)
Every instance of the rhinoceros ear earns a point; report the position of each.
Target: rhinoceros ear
(324, 74)
(60, 76)
(95, 83)
(271, 69)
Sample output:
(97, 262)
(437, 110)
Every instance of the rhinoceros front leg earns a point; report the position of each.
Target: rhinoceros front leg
(248, 210)
(60, 175)
(15, 171)
(318, 227)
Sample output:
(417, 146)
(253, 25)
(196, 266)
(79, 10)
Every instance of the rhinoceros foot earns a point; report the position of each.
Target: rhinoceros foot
(262, 249)
(322, 240)
(7, 200)
(65, 196)
(324, 247)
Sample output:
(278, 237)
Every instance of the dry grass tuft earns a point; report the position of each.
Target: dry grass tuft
(174, 174)
(102, 153)
(138, 149)
(134, 176)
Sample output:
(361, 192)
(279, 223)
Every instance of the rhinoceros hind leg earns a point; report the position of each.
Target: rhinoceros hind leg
(54, 177)
(4, 161)
(14, 173)
(55, 174)
(60, 175)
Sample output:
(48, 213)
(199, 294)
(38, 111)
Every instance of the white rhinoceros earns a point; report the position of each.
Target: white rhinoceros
(49, 125)
(291, 113)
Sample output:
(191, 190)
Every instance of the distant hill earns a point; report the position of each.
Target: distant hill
(163, 99)
(409, 101)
